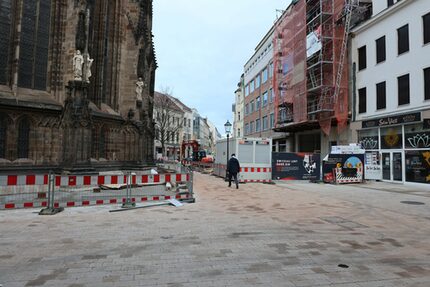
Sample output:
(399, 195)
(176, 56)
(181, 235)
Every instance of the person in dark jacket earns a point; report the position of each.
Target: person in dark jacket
(233, 168)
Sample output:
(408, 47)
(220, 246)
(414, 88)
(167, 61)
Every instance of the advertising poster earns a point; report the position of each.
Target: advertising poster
(372, 166)
(348, 162)
(295, 166)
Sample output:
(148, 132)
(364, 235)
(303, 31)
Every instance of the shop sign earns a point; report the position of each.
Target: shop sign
(426, 123)
(388, 121)
(295, 166)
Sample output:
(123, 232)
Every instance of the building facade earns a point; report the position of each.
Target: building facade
(186, 132)
(259, 104)
(391, 96)
(238, 109)
(169, 126)
(51, 117)
(201, 132)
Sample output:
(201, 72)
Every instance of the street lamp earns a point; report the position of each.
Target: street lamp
(227, 127)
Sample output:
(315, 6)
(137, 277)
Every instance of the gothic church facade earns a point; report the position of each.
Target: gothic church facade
(50, 120)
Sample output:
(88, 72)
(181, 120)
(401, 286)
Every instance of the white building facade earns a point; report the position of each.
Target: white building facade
(238, 109)
(390, 56)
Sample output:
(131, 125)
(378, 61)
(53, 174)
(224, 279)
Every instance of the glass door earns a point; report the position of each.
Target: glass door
(397, 166)
(392, 166)
(386, 166)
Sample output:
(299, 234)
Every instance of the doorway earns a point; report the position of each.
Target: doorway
(392, 166)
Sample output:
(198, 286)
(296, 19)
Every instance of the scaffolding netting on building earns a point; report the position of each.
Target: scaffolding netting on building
(310, 71)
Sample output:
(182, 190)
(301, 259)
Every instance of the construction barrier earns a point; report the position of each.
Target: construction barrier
(248, 173)
(30, 190)
(341, 178)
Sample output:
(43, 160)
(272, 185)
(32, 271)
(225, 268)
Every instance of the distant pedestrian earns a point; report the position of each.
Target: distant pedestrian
(233, 168)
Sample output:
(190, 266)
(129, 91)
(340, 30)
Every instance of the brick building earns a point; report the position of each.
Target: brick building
(48, 119)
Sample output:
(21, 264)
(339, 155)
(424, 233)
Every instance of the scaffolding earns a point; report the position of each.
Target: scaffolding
(311, 79)
(289, 80)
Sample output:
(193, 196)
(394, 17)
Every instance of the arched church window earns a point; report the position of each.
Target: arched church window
(34, 44)
(103, 142)
(3, 134)
(23, 137)
(5, 39)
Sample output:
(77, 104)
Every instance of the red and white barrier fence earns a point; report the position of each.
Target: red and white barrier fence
(30, 191)
(257, 173)
(89, 180)
(41, 204)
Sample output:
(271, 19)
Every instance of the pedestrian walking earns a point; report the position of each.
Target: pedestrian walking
(233, 168)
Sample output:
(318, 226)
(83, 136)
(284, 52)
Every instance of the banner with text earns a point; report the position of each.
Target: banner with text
(295, 166)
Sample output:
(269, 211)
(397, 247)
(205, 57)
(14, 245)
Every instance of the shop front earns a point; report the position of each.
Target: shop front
(398, 148)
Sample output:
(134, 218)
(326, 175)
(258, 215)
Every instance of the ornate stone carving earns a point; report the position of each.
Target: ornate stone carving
(78, 62)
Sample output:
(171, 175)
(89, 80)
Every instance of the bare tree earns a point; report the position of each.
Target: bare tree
(168, 118)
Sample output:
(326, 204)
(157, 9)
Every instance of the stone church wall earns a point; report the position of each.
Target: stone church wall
(67, 125)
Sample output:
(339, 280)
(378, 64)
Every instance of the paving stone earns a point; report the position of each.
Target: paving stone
(278, 235)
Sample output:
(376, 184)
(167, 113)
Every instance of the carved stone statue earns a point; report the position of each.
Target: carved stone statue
(78, 62)
(139, 89)
(89, 64)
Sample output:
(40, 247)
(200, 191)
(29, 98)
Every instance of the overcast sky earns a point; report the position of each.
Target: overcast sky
(202, 46)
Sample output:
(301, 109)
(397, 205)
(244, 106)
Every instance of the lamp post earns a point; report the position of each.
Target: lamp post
(227, 127)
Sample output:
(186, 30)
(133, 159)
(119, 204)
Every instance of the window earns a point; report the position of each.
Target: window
(265, 123)
(257, 125)
(403, 39)
(271, 95)
(362, 62)
(246, 109)
(265, 99)
(265, 75)
(427, 83)
(238, 116)
(5, 40)
(390, 3)
(257, 81)
(380, 50)
(246, 90)
(272, 120)
(33, 57)
(251, 86)
(403, 89)
(103, 143)
(271, 70)
(3, 133)
(251, 127)
(238, 133)
(246, 129)
(381, 96)
(362, 100)
(257, 103)
(251, 108)
(23, 138)
(426, 28)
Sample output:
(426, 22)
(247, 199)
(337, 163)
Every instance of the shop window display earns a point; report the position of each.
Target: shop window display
(417, 137)
(391, 138)
(368, 139)
(418, 166)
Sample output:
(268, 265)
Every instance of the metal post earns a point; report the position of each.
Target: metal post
(52, 183)
(50, 209)
(128, 202)
(49, 188)
(226, 171)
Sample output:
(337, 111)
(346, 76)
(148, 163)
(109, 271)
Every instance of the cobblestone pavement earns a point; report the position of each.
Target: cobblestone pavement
(260, 235)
